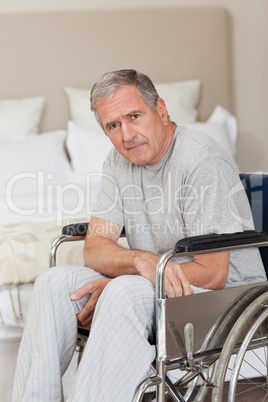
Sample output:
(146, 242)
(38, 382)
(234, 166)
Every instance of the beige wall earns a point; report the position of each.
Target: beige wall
(250, 58)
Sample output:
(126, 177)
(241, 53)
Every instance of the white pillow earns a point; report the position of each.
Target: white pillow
(220, 114)
(20, 117)
(181, 99)
(34, 163)
(222, 127)
(88, 148)
(79, 103)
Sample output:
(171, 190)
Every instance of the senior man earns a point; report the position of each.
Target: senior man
(161, 182)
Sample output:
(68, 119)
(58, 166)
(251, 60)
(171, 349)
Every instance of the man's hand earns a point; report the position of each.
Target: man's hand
(176, 282)
(95, 289)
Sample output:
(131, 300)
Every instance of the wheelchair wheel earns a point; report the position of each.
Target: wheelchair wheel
(243, 364)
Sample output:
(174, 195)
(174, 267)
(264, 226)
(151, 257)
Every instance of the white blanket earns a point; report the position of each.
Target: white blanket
(24, 250)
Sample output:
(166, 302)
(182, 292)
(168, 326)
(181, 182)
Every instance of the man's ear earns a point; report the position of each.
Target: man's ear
(162, 111)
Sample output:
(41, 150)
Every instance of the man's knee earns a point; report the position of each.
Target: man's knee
(127, 289)
(128, 298)
(54, 276)
(52, 273)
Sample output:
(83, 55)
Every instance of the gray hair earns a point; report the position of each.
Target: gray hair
(114, 80)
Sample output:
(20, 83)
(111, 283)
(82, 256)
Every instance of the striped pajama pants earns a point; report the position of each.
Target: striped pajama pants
(118, 352)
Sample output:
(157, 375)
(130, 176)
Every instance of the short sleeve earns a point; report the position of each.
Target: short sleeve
(213, 200)
(109, 203)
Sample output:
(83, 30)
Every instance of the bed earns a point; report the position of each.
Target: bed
(51, 148)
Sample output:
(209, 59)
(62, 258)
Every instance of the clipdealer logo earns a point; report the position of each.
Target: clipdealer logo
(31, 194)
(47, 197)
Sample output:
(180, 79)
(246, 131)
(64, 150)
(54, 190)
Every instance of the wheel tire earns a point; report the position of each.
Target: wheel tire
(251, 325)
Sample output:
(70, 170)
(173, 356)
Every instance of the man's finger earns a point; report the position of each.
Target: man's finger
(86, 321)
(83, 291)
(173, 285)
(187, 290)
(79, 293)
(95, 289)
(87, 311)
(170, 291)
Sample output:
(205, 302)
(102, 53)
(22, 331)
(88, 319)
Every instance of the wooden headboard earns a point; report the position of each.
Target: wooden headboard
(41, 53)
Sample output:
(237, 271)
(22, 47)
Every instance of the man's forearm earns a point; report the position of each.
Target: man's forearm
(109, 258)
(205, 274)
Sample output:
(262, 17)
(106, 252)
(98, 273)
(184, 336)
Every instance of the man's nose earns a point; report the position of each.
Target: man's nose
(128, 133)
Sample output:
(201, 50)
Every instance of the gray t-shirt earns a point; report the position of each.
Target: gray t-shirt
(195, 189)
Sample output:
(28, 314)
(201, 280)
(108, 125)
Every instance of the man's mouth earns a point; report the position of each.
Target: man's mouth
(134, 146)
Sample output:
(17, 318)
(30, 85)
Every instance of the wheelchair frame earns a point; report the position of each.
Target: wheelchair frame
(222, 339)
(214, 344)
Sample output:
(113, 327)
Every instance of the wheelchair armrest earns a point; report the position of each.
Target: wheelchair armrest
(72, 232)
(80, 229)
(75, 229)
(218, 241)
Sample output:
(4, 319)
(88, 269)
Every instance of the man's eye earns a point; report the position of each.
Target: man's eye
(135, 116)
(113, 126)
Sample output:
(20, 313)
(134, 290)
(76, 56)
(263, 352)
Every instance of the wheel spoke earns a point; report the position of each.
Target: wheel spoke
(263, 361)
(249, 380)
(251, 389)
(253, 367)
(265, 397)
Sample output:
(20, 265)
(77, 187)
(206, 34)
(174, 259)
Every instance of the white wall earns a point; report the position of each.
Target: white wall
(250, 57)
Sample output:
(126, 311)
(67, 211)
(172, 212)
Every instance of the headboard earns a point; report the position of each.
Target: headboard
(41, 53)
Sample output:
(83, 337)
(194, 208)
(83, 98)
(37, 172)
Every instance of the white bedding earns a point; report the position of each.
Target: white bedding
(24, 251)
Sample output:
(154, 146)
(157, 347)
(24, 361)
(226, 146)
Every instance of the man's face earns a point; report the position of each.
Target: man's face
(140, 135)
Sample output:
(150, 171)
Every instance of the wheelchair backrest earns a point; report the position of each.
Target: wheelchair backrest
(256, 186)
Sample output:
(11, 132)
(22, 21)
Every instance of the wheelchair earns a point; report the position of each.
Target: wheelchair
(218, 339)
